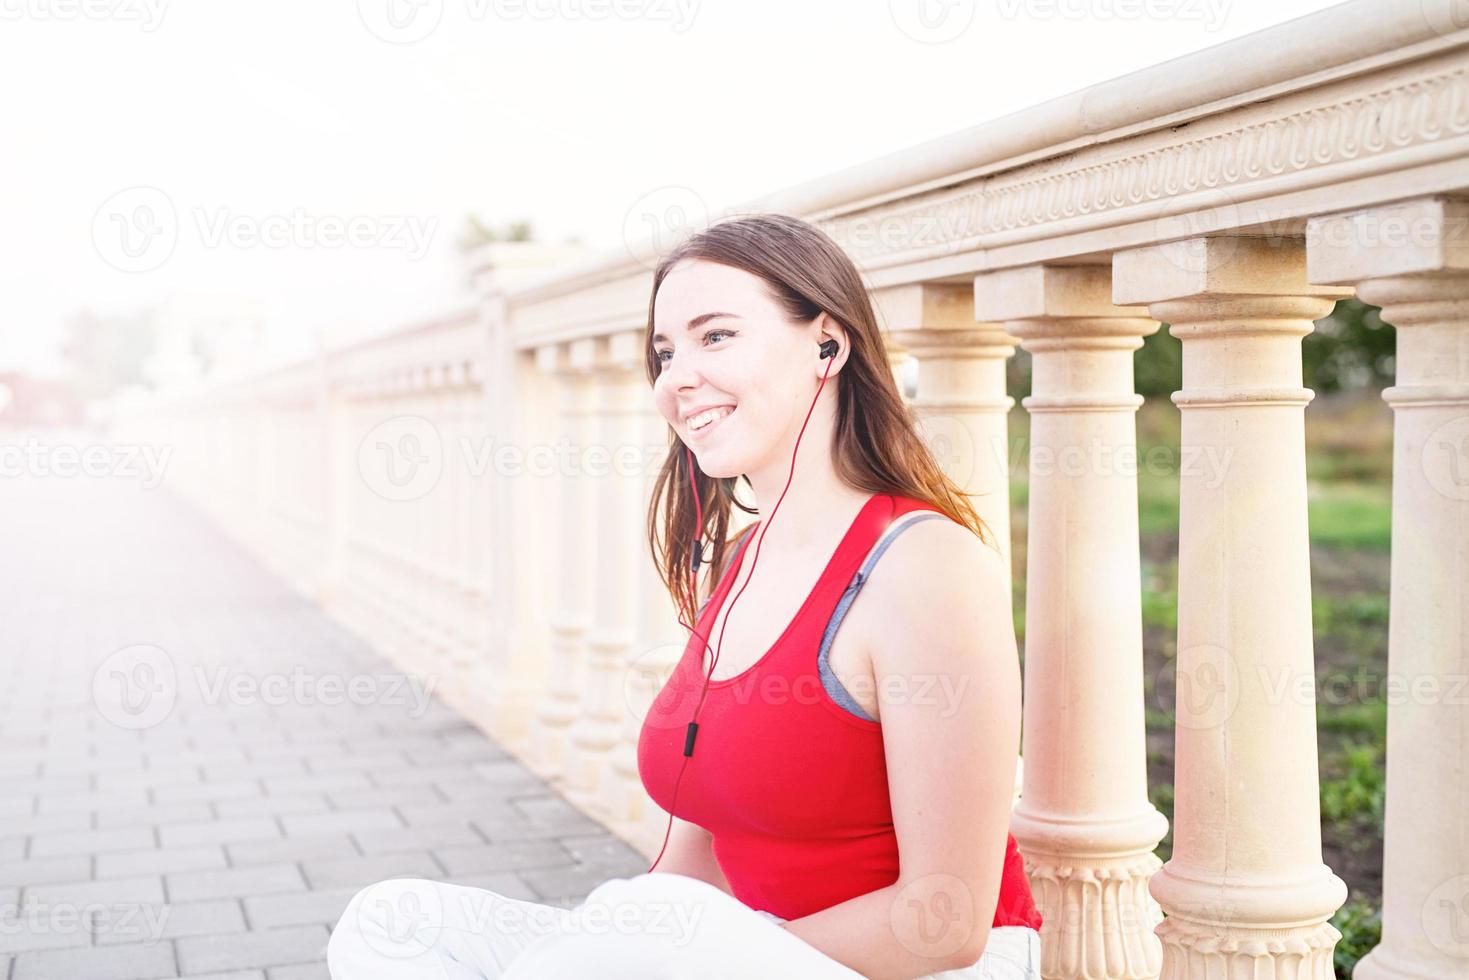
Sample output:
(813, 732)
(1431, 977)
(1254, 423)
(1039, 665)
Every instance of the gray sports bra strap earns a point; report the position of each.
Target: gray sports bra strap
(829, 680)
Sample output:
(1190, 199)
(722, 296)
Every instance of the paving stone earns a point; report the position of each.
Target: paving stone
(270, 947)
(316, 847)
(36, 926)
(161, 860)
(219, 831)
(417, 837)
(42, 823)
(140, 888)
(154, 815)
(503, 857)
(322, 906)
(133, 961)
(499, 830)
(263, 879)
(363, 871)
(381, 796)
(341, 821)
(552, 811)
(359, 762)
(273, 806)
(91, 841)
(468, 810)
(155, 922)
(200, 790)
(316, 782)
(299, 971)
(605, 851)
(560, 886)
(57, 803)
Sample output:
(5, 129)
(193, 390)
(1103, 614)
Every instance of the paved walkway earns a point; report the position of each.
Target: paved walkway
(198, 768)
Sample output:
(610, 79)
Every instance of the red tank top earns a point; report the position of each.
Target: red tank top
(791, 785)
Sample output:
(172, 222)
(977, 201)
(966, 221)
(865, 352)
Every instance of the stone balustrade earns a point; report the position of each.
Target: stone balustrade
(470, 493)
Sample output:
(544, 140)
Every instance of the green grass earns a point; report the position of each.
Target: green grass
(1360, 924)
(1368, 718)
(1355, 789)
(1356, 609)
(1350, 515)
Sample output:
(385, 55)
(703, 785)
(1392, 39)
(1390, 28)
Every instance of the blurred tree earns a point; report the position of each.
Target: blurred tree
(1351, 348)
(476, 233)
(106, 352)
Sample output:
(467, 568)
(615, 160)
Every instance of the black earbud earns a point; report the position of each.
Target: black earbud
(829, 348)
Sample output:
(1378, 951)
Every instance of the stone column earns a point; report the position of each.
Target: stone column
(961, 405)
(1246, 891)
(509, 678)
(557, 708)
(1084, 822)
(615, 553)
(661, 639)
(1412, 259)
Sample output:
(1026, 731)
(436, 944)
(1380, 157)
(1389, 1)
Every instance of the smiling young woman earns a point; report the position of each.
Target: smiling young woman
(857, 821)
(844, 809)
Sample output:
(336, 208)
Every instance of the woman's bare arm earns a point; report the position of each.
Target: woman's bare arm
(946, 651)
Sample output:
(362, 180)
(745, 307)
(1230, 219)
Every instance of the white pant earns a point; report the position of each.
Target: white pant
(652, 926)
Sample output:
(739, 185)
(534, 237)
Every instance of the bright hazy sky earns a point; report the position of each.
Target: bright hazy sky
(244, 118)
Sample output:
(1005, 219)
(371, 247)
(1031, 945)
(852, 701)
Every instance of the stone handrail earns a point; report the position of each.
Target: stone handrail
(469, 493)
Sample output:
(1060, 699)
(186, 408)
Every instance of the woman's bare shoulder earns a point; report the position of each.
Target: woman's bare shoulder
(936, 569)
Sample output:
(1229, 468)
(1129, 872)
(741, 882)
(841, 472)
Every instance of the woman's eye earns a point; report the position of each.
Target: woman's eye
(711, 333)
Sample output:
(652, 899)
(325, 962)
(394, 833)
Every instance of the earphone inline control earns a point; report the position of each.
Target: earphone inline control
(828, 349)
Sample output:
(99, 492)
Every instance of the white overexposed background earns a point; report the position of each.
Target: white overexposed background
(257, 121)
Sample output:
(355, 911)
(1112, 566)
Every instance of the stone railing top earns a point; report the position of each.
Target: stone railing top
(1305, 53)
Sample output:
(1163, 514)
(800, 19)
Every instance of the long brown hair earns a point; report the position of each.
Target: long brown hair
(876, 445)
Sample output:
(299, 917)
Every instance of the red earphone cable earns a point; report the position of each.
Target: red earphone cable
(694, 578)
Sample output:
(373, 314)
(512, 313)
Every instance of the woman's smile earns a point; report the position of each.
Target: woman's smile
(706, 428)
